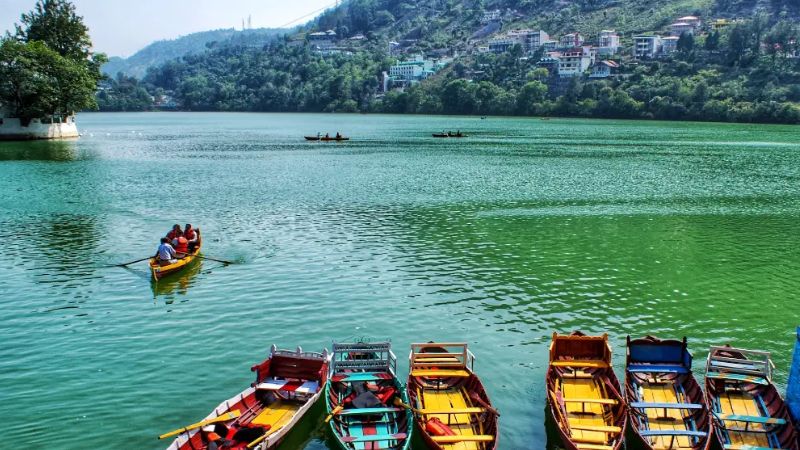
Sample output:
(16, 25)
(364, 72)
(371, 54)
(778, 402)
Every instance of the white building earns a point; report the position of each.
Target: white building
(604, 69)
(490, 16)
(502, 44)
(529, 39)
(678, 28)
(570, 40)
(574, 61)
(608, 43)
(322, 39)
(417, 68)
(549, 45)
(12, 128)
(669, 44)
(646, 46)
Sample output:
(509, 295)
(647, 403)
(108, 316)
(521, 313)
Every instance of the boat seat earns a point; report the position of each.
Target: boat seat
(361, 376)
(374, 438)
(737, 377)
(462, 438)
(439, 373)
(597, 428)
(452, 411)
(596, 401)
(751, 419)
(658, 368)
(300, 387)
(367, 411)
(593, 447)
(644, 405)
(588, 363)
(648, 433)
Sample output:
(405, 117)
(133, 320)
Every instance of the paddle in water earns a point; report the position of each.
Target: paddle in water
(129, 263)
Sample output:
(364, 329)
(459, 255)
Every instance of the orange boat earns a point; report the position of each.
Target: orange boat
(451, 407)
(160, 271)
(584, 394)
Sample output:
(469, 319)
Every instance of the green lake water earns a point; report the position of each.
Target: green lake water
(525, 227)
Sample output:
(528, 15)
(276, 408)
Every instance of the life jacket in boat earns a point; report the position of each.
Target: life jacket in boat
(385, 394)
(182, 245)
(174, 234)
(436, 427)
(190, 234)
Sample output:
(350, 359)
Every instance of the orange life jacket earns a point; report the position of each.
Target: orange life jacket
(435, 427)
(182, 246)
(189, 234)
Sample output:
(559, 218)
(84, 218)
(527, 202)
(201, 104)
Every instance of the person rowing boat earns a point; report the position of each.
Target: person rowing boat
(166, 254)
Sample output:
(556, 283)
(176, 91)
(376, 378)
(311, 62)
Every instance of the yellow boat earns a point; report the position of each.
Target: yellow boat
(160, 271)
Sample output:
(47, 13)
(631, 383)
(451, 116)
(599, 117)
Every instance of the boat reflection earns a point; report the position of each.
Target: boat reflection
(177, 283)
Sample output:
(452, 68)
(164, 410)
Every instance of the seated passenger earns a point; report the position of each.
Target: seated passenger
(165, 254)
(181, 245)
(192, 236)
(174, 232)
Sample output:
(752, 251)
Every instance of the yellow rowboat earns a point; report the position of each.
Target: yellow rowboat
(160, 271)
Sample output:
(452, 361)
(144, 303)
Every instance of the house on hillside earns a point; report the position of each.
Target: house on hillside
(529, 39)
(721, 24)
(574, 61)
(608, 43)
(322, 39)
(414, 70)
(502, 44)
(669, 44)
(645, 47)
(678, 28)
(570, 40)
(604, 69)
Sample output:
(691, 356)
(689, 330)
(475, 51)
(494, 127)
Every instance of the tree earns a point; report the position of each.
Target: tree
(712, 41)
(55, 23)
(530, 97)
(685, 43)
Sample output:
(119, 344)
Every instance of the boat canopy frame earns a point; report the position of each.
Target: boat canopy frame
(756, 363)
(384, 360)
(456, 356)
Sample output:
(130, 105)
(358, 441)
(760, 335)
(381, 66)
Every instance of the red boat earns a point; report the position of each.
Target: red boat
(287, 385)
(584, 394)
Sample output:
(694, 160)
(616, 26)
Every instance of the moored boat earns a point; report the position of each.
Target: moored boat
(793, 387)
(747, 410)
(584, 394)
(287, 385)
(158, 271)
(365, 400)
(451, 407)
(665, 402)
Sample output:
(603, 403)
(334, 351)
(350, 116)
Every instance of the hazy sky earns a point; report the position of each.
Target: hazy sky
(120, 28)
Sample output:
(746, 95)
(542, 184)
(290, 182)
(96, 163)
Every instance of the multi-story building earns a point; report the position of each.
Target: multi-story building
(669, 44)
(529, 39)
(694, 21)
(322, 39)
(604, 69)
(490, 16)
(502, 44)
(549, 45)
(574, 61)
(646, 46)
(678, 28)
(570, 40)
(608, 43)
(416, 69)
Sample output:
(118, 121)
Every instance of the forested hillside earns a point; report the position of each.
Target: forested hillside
(748, 71)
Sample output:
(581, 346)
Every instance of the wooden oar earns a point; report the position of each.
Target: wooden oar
(206, 257)
(263, 436)
(129, 263)
(477, 398)
(399, 403)
(227, 416)
(335, 411)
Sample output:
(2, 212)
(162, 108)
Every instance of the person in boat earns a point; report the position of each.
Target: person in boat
(166, 253)
(191, 236)
(174, 232)
(327, 135)
(181, 246)
(338, 135)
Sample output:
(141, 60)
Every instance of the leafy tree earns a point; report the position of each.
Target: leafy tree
(685, 43)
(55, 23)
(712, 41)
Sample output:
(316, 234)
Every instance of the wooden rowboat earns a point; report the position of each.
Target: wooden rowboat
(312, 138)
(340, 138)
(584, 394)
(451, 407)
(160, 271)
(364, 398)
(747, 409)
(793, 387)
(287, 385)
(665, 402)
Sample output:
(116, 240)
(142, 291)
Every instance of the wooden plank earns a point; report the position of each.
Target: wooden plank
(367, 411)
(439, 373)
(589, 363)
(751, 419)
(673, 433)
(448, 411)
(666, 405)
(599, 401)
(598, 428)
(737, 377)
(456, 439)
(374, 438)
(593, 447)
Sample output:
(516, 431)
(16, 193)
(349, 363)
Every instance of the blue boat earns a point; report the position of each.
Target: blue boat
(793, 388)
(367, 405)
(665, 402)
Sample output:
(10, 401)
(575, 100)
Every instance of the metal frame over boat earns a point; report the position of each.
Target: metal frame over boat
(584, 393)
(360, 398)
(160, 271)
(793, 386)
(287, 385)
(665, 403)
(444, 390)
(748, 412)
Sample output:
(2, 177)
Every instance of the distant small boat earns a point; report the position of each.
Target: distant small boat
(449, 134)
(748, 411)
(665, 402)
(287, 385)
(158, 271)
(334, 138)
(584, 394)
(312, 138)
(451, 406)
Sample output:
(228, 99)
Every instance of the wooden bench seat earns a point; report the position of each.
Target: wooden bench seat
(442, 373)
(657, 368)
(588, 363)
(690, 433)
(593, 447)
(374, 438)
(457, 439)
(596, 401)
(367, 411)
(360, 376)
(751, 419)
(747, 447)
(737, 377)
(644, 405)
(597, 428)
(429, 411)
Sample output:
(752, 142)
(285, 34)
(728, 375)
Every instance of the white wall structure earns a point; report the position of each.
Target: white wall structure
(11, 129)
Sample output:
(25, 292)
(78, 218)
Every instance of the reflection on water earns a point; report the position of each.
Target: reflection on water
(42, 150)
(177, 284)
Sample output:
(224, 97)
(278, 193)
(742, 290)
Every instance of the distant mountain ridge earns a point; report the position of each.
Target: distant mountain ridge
(162, 51)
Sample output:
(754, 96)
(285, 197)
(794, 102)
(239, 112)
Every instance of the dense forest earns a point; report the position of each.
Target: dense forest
(744, 73)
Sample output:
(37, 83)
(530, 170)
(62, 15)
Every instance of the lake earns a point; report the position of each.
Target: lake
(524, 227)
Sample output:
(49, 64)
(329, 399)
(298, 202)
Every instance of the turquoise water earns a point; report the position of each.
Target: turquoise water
(525, 227)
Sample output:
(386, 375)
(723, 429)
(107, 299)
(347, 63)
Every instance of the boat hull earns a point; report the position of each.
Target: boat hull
(158, 271)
